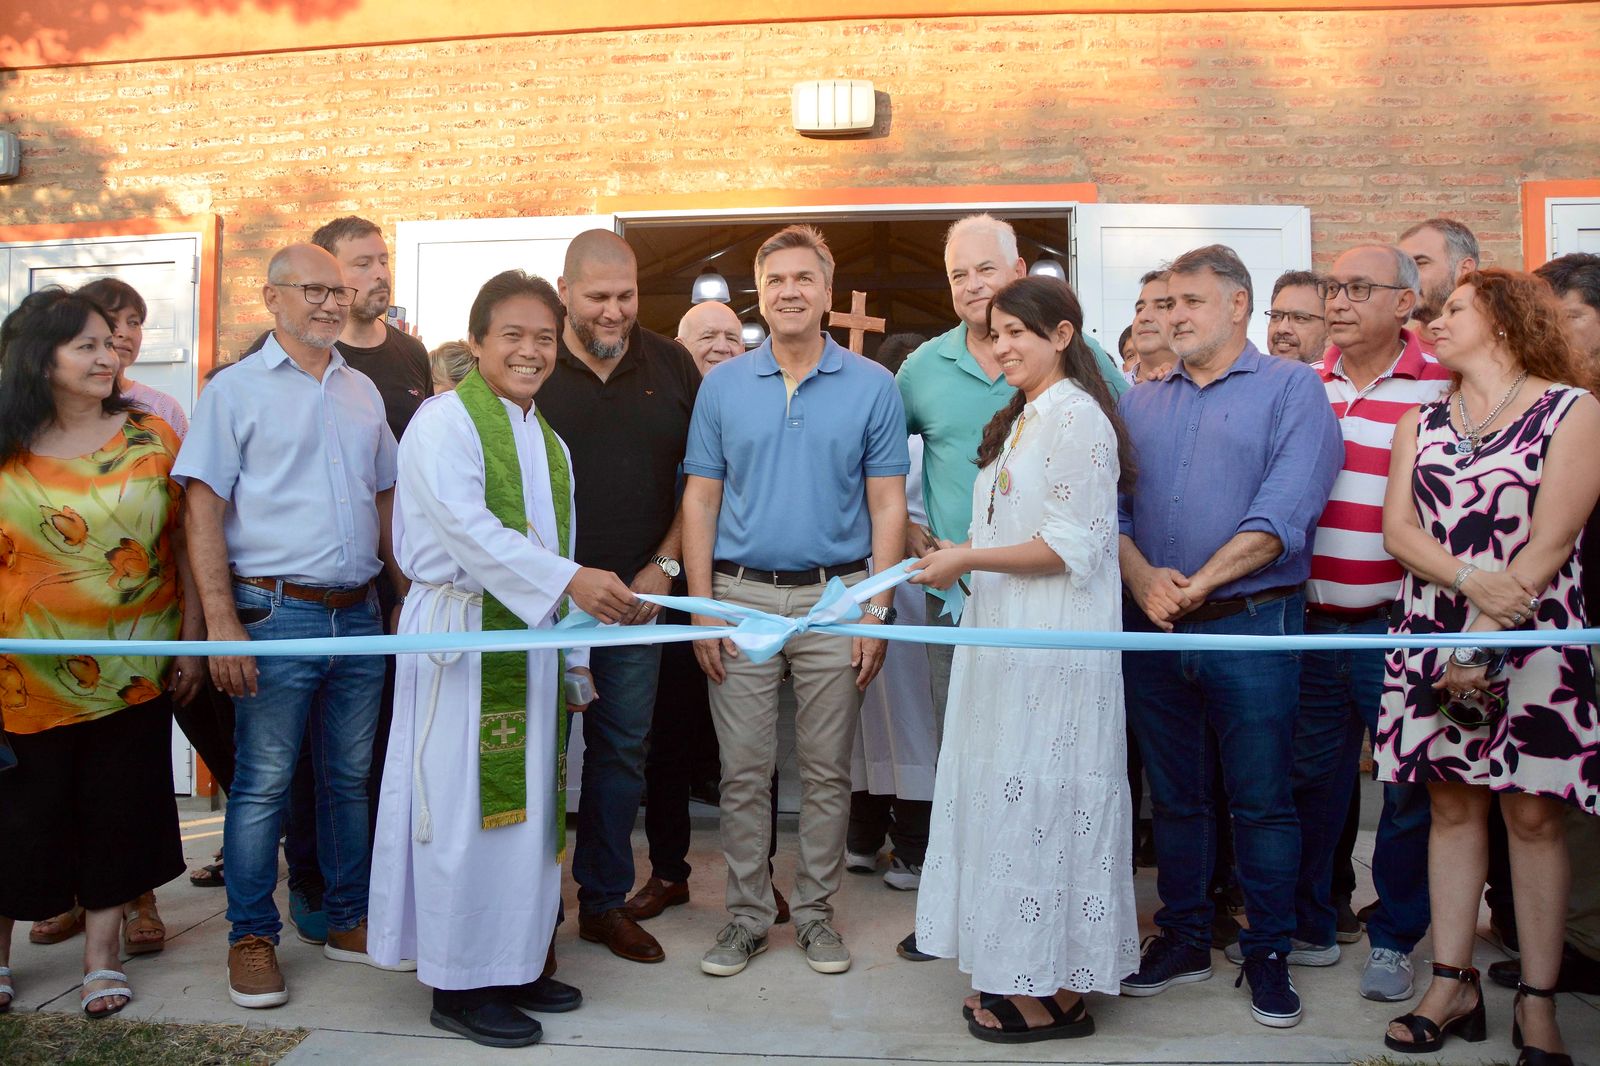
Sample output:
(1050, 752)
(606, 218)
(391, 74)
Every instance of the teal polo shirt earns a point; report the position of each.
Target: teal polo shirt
(794, 469)
(948, 400)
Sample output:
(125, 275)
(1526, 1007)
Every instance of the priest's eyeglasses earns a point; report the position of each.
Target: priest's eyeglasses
(1299, 318)
(1358, 291)
(343, 295)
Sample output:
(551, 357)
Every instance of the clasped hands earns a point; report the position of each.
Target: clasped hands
(1166, 595)
(1502, 597)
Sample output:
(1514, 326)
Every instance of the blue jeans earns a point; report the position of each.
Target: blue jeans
(1340, 692)
(338, 696)
(615, 726)
(1249, 701)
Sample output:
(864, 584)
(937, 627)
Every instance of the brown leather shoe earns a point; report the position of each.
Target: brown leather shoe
(783, 907)
(254, 979)
(619, 932)
(656, 896)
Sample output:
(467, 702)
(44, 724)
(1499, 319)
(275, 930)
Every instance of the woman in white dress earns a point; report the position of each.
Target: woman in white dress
(1027, 882)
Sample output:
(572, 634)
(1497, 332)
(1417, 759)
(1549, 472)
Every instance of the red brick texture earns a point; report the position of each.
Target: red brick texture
(1372, 119)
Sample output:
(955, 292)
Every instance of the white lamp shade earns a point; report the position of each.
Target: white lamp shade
(709, 286)
(752, 333)
(1049, 268)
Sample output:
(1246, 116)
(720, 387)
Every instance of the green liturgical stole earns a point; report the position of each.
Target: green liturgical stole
(503, 707)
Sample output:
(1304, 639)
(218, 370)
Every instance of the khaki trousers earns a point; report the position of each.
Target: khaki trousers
(744, 709)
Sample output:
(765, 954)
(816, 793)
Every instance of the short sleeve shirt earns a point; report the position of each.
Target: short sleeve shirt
(794, 467)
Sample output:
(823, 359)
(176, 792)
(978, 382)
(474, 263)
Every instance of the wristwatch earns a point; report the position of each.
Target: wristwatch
(670, 567)
(886, 615)
(1470, 657)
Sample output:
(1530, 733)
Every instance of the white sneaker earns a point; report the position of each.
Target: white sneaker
(902, 875)
(1301, 953)
(858, 863)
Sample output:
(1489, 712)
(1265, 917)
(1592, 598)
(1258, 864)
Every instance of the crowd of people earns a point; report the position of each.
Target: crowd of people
(1407, 457)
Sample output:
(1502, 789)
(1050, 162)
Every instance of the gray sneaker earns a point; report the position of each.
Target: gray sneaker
(734, 949)
(1301, 953)
(902, 875)
(1387, 976)
(824, 950)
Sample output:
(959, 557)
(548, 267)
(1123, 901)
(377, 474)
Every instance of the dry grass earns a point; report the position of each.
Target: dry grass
(34, 1038)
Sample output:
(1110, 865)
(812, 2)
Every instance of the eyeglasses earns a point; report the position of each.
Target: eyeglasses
(1475, 710)
(1299, 318)
(343, 295)
(1358, 291)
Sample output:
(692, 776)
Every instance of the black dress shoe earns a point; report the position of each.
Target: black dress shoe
(492, 1022)
(545, 996)
(907, 949)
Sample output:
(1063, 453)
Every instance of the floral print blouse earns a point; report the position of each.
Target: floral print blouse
(86, 553)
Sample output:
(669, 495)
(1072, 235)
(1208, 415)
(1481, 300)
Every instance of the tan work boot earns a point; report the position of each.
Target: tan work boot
(254, 979)
(350, 945)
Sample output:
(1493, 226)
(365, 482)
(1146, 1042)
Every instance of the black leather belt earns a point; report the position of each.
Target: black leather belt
(785, 579)
(1350, 615)
(1218, 609)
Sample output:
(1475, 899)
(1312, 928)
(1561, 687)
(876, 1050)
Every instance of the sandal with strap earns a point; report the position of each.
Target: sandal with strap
(986, 1001)
(1428, 1035)
(209, 876)
(7, 989)
(143, 932)
(1014, 1028)
(105, 993)
(1532, 1056)
(63, 926)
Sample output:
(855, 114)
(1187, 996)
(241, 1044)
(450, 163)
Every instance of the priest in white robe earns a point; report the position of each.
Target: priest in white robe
(465, 880)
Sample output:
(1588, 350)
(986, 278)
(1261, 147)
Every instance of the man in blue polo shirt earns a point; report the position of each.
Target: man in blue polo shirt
(796, 465)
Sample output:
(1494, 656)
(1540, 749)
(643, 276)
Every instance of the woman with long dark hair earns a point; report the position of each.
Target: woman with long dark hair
(90, 548)
(1028, 877)
(1489, 490)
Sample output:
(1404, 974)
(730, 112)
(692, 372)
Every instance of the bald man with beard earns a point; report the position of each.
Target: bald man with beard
(620, 397)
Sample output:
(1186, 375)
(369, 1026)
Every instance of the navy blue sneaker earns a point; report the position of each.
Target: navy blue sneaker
(1273, 999)
(310, 920)
(1167, 961)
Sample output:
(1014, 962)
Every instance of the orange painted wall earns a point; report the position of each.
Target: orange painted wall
(57, 32)
(1374, 119)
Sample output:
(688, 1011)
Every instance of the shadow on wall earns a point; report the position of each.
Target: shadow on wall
(55, 31)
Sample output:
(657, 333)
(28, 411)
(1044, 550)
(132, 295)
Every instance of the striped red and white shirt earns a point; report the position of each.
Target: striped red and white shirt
(1350, 571)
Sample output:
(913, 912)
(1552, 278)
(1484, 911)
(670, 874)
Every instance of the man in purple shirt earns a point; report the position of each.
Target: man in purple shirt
(1237, 453)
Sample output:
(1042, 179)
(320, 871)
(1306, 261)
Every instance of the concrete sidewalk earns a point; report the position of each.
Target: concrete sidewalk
(668, 1014)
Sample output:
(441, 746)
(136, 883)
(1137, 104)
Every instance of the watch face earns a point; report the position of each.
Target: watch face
(671, 567)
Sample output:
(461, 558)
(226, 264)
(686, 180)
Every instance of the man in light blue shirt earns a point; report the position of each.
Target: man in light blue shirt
(289, 468)
(796, 465)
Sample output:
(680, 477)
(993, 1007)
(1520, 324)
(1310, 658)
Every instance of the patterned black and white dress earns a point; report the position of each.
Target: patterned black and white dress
(1480, 507)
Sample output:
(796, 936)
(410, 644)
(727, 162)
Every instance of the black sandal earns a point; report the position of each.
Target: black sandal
(1532, 1056)
(1014, 1028)
(986, 1001)
(1427, 1035)
(209, 876)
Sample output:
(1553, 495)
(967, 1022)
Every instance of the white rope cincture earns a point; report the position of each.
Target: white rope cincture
(456, 601)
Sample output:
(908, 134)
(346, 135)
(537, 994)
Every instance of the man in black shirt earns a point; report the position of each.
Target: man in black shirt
(621, 398)
(397, 363)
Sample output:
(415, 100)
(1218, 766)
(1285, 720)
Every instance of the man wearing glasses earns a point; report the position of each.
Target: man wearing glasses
(1296, 326)
(289, 469)
(1374, 371)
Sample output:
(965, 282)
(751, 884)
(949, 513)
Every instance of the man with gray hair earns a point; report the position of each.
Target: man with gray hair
(1445, 251)
(1237, 453)
(1296, 326)
(712, 333)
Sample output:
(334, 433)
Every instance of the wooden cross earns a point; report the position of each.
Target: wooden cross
(857, 320)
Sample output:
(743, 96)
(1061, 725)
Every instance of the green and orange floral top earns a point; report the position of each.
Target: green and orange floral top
(86, 553)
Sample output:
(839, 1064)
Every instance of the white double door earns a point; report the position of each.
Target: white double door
(165, 270)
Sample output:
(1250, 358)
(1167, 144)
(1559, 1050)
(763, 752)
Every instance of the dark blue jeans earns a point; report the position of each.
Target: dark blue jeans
(1340, 692)
(615, 726)
(1249, 701)
(337, 696)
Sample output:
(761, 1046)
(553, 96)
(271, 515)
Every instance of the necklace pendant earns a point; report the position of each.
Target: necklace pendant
(1464, 447)
(1005, 482)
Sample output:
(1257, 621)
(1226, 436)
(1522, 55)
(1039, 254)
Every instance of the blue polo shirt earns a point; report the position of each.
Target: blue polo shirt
(794, 468)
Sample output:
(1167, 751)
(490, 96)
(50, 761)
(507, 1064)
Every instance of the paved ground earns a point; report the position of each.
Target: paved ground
(884, 1010)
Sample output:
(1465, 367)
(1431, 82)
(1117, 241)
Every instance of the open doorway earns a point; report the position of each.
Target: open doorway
(896, 257)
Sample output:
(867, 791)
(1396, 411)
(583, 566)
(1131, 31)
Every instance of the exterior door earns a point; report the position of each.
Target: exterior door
(165, 270)
(1573, 225)
(1116, 244)
(440, 265)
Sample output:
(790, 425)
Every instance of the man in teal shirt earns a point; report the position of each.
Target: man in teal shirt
(951, 387)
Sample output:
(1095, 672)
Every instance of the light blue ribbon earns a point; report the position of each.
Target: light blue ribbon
(760, 635)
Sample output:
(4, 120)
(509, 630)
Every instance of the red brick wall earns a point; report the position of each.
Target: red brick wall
(1372, 119)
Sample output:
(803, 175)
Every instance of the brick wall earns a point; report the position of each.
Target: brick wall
(1373, 119)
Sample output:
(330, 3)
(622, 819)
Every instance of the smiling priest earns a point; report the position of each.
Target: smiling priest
(471, 823)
